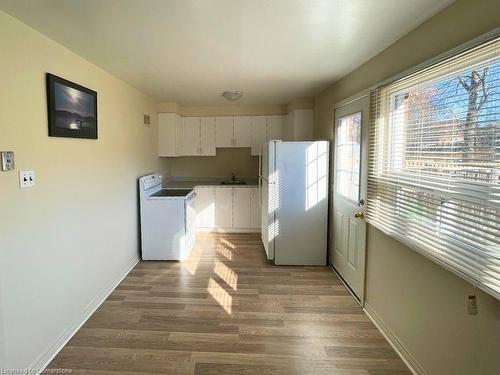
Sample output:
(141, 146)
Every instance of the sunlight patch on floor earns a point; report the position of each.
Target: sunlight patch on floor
(224, 251)
(191, 264)
(222, 297)
(226, 274)
(228, 243)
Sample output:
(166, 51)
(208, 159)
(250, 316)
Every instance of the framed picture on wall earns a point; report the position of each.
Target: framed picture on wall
(72, 109)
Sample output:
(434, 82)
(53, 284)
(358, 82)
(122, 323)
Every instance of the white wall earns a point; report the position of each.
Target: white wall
(74, 234)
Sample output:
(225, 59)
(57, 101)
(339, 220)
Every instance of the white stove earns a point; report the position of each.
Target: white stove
(167, 220)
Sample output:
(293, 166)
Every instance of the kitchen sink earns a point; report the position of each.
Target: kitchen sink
(233, 182)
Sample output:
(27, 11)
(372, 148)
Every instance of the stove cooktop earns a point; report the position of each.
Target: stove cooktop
(172, 193)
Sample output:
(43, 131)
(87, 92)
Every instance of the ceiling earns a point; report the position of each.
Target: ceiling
(189, 51)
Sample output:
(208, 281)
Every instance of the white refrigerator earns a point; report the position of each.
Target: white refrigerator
(293, 178)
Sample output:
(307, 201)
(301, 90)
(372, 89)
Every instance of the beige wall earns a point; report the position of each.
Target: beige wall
(422, 303)
(227, 160)
(304, 103)
(64, 241)
(460, 22)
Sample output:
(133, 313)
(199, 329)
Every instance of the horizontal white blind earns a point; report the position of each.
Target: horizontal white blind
(434, 173)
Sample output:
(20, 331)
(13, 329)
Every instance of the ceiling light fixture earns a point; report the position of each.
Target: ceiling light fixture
(232, 95)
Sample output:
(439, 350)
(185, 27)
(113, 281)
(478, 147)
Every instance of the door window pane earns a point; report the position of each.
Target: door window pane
(348, 156)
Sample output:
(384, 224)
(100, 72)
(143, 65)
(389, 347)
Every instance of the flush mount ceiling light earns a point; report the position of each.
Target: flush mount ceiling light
(232, 95)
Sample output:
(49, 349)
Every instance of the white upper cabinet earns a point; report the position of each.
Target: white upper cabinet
(233, 131)
(299, 125)
(259, 133)
(166, 134)
(191, 136)
(224, 133)
(198, 136)
(275, 127)
(179, 128)
(241, 207)
(242, 129)
(207, 132)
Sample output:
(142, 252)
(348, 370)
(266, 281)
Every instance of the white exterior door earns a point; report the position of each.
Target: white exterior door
(207, 140)
(223, 207)
(224, 131)
(275, 127)
(259, 133)
(242, 131)
(348, 227)
(205, 207)
(191, 136)
(241, 207)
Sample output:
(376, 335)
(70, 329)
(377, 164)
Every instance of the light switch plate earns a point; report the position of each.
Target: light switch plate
(7, 160)
(472, 304)
(26, 179)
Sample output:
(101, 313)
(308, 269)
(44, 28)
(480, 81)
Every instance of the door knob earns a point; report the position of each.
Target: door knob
(359, 215)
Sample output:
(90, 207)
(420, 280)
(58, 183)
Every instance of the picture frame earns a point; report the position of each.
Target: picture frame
(71, 108)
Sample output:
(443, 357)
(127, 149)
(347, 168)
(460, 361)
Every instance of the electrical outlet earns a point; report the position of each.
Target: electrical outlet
(26, 179)
(471, 304)
(7, 160)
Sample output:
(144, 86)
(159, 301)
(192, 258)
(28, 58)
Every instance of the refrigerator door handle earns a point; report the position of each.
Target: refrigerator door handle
(260, 192)
(260, 160)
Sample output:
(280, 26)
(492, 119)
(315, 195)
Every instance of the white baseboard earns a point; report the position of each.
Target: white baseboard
(394, 341)
(44, 359)
(227, 230)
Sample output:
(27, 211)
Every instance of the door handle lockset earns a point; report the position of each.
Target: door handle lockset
(359, 215)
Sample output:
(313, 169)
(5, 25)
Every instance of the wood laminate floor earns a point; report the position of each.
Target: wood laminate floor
(227, 310)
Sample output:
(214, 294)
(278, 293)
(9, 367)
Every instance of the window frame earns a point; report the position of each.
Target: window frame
(383, 168)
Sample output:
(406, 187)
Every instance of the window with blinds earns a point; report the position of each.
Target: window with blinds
(434, 174)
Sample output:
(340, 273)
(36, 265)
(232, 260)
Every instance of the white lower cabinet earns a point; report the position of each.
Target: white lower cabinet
(241, 208)
(205, 207)
(255, 219)
(223, 207)
(227, 209)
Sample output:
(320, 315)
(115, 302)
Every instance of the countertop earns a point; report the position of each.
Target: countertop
(192, 182)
